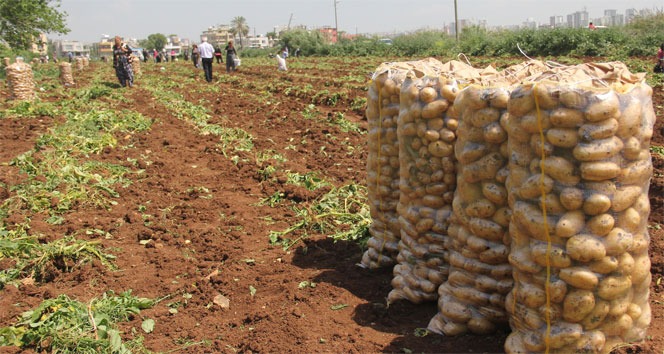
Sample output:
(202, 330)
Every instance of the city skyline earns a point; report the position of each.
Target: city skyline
(90, 19)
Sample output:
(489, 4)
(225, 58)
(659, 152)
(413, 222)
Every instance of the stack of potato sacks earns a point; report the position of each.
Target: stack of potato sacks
(135, 64)
(20, 81)
(547, 227)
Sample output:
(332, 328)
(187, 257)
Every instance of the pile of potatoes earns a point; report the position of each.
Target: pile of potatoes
(472, 299)
(579, 171)
(383, 157)
(427, 133)
(66, 76)
(80, 63)
(20, 81)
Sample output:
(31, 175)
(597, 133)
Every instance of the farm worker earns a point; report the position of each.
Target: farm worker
(121, 63)
(217, 55)
(659, 64)
(591, 26)
(195, 56)
(207, 52)
(282, 63)
(231, 55)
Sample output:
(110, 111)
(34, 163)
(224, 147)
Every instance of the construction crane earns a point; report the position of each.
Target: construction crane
(289, 21)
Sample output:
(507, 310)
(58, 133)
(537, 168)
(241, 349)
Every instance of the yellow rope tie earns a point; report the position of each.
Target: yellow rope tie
(547, 290)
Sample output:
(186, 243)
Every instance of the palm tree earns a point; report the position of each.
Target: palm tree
(239, 27)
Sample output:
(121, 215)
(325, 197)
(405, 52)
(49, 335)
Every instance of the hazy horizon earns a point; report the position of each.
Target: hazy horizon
(88, 20)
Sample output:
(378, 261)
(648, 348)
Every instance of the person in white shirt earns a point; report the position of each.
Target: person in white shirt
(207, 53)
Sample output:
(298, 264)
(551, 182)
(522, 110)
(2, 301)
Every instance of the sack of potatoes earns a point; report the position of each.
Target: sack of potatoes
(382, 113)
(579, 171)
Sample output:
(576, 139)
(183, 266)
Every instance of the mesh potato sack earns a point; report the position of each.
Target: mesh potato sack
(66, 76)
(135, 64)
(578, 189)
(427, 132)
(383, 157)
(472, 299)
(20, 81)
(80, 63)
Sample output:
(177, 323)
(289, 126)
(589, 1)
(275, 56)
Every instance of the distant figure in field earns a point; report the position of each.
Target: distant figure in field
(281, 62)
(195, 55)
(217, 55)
(207, 53)
(231, 55)
(659, 63)
(122, 63)
(591, 26)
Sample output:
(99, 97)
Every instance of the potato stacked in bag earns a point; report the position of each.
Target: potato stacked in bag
(383, 158)
(473, 297)
(578, 189)
(135, 64)
(427, 132)
(66, 76)
(80, 63)
(20, 81)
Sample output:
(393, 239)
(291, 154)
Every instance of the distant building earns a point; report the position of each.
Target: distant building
(259, 42)
(578, 19)
(329, 33)
(63, 47)
(218, 35)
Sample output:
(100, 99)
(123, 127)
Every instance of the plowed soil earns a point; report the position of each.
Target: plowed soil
(214, 240)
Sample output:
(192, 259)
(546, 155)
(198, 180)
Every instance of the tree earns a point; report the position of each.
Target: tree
(155, 41)
(239, 27)
(23, 20)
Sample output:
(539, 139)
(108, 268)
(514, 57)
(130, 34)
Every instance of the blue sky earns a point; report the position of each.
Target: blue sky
(90, 19)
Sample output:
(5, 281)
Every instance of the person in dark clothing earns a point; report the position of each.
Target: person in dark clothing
(231, 55)
(217, 55)
(122, 63)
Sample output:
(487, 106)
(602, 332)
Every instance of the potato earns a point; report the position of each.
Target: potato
(552, 204)
(561, 170)
(630, 119)
(577, 305)
(471, 151)
(607, 106)
(484, 116)
(596, 316)
(613, 287)
(601, 224)
(546, 95)
(562, 137)
(494, 133)
(482, 208)
(616, 325)
(449, 92)
(590, 342)
(571, 198)
(499, 97)
(570, 224)
(607, 188)
(596, 204)
(563, 117)
(523, 261)
(502, 216)
(599, 171)
(486, 229)
(494, 192)
(563, 333)
(601, 130)
(435, 109)
(617, 242)
(480, 325)
(598, 149)
(532, 220)
(456, 311)
(497, 254)
(540, 147)
(625, 197)
(521, 101)
(514, 344)
(585, 248)
(535, 121)
(530, 295)
(579, 277)
(558, 258)
(440, 149)
(431, 135)
(637, 172)
(629, 220)
(632, 149)
(573, 98)
(535, 185)
(428, 94)
(447, 135)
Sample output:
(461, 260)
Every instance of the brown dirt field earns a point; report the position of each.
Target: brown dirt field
(217, 243)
